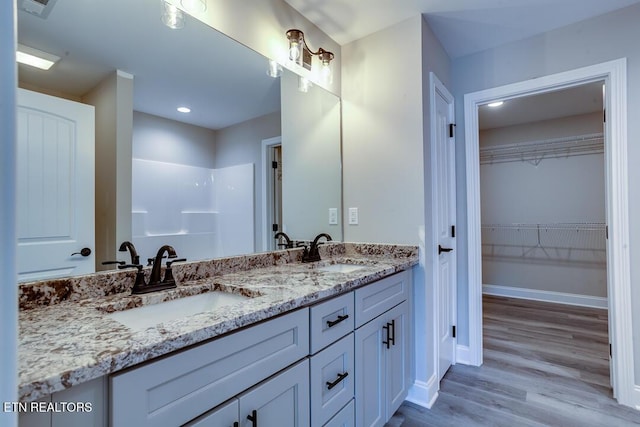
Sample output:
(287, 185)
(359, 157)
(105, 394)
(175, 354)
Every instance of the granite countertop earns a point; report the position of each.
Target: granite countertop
(69, 342)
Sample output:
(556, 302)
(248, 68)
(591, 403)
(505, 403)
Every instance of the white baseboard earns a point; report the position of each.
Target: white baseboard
(424, 393)
(636, 396)
(463, 354)
(547, 296)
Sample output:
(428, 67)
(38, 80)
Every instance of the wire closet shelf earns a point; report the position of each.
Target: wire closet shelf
(536, 151)
(568, 241)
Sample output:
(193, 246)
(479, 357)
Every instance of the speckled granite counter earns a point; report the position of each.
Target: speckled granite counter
(67, 337)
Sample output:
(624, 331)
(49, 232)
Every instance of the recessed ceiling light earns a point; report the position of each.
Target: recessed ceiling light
(35, 58)
(184, 109)
(495, 104)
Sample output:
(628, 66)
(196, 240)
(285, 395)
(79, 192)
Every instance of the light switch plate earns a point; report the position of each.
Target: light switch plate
(333, 216)
(353, 216)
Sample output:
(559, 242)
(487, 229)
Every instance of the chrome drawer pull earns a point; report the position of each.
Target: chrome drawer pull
(332, 323)
(338, 380)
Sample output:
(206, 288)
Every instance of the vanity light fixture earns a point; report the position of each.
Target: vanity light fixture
(495, 104)
(275, 69)
(300, 53)
(184, 109)
(35, 58)
(171, 16)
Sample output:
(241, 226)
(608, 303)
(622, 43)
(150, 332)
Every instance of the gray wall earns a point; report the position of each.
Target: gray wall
(163, 140)
(386, 160)
(557, 190)
(608, 37)
(241, 144)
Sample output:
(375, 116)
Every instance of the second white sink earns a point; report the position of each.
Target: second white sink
(141, 318)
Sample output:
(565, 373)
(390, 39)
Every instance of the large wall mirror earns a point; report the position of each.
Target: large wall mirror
(254, 155)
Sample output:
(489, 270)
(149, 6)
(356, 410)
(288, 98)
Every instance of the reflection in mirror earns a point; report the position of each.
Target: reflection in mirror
(193, 180)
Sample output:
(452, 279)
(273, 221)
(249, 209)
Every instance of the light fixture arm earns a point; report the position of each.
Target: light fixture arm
(295, 35)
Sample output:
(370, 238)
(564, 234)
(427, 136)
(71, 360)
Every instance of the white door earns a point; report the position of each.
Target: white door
(55, 187)
(444, 222)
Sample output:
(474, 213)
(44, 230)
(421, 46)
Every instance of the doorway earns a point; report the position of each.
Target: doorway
(618, 271)
(271, 191)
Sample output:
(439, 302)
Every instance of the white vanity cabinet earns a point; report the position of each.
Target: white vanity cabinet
(382, 349)
(176, 389)
(342, 362)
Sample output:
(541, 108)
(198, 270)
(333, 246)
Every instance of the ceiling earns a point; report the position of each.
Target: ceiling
(462, 26)
(222, 81)
(573, 101)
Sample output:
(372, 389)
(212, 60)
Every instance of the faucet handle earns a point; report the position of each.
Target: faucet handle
(168, 273)
(175, 260)
(113, 262)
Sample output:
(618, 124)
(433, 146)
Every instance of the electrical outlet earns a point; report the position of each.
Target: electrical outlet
(333, 216)
(353, 216)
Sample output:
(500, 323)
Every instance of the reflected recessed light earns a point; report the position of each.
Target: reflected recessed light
(184, 109)
(495, 104)
(34, 57)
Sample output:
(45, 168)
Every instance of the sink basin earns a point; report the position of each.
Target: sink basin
(141, 318)
(341, 268)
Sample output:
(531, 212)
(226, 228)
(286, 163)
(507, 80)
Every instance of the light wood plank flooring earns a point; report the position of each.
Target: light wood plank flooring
(544, 365)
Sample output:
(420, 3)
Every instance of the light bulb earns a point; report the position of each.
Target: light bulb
(275, 69)
(194, 6)
(325, 73)
(304, 84)
(294, 51)
(172, 17)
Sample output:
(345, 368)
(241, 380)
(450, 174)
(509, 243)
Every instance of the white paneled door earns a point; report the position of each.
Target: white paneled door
(55, 187)
(444, 222)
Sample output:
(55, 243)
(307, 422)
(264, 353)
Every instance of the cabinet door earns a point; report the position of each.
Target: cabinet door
(281, 401)
(397, 357)
(370, 378)
(226, 415)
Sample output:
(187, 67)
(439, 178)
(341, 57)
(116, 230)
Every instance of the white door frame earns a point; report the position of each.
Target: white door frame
(618, 261)
(437, 87)
(267, 184)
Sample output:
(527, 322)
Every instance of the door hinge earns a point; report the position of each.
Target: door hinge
(274, 227)
(453, 231)
(451, 128)
(604, 116)
(274, 164)
(453, 332)
(610, 351)
(606, 232)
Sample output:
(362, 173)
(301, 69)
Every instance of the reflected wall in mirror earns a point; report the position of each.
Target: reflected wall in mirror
(193, 180)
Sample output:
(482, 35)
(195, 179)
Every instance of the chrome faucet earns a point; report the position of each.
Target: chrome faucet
(311, 253)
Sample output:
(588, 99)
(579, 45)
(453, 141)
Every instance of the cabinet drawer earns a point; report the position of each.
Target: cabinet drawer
(332, 380)
(176, 389)
(374, 299)
(330, 321)
(344, 418)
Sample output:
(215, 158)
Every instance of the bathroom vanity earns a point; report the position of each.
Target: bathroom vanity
(321, 344)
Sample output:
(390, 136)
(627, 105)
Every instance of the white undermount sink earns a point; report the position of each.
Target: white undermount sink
(141, 318)
(340, 268)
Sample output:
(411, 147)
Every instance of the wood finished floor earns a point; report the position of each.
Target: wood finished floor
(544, 365)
